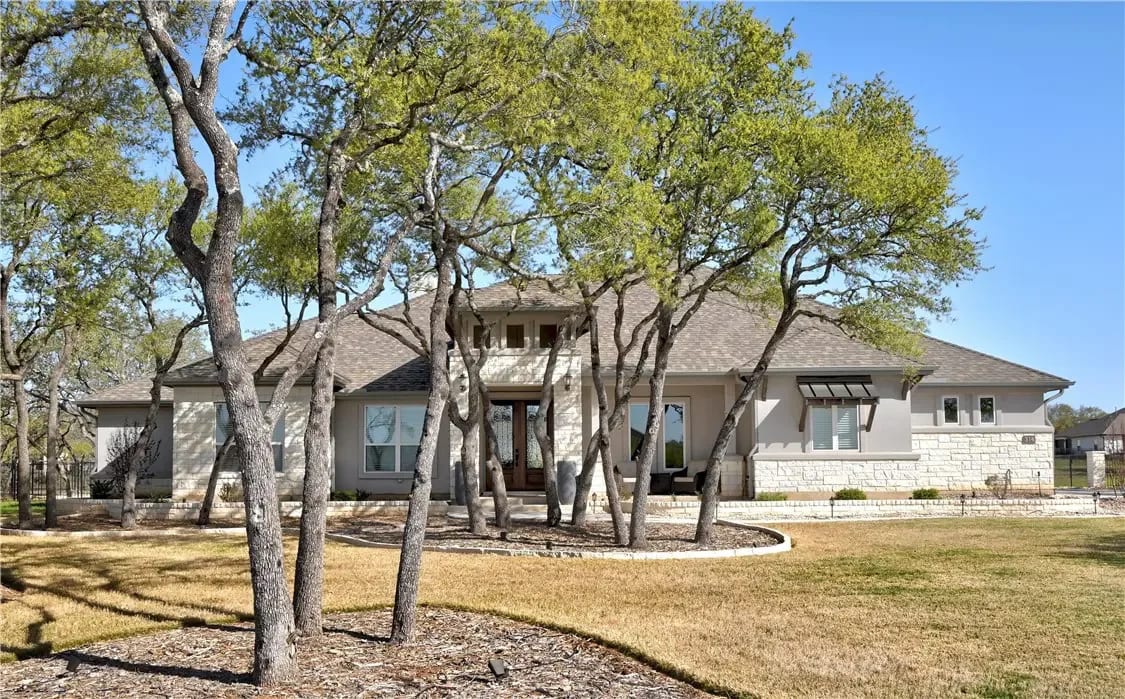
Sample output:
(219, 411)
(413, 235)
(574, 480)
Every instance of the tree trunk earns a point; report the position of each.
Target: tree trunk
(543, 436)
(620, 526)
(208, 503)
(308, 584)
(501, 509)
(470, 469)
(51, 516)
(638, 535)
(23, 452)
(414, 533)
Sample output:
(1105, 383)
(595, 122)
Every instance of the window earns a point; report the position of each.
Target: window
(987, 410)
(835, 427)
(514, 335)
(223, 427)
(392, 437)
(478, 336)
(672, 434)
(951, 410)
(548, 335)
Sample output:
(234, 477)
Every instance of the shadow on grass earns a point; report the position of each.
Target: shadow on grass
(1108, 549)
(102, 575)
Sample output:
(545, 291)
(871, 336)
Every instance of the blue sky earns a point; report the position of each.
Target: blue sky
(1031, 99)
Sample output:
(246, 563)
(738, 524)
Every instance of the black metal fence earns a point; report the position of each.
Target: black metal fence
(74, 479)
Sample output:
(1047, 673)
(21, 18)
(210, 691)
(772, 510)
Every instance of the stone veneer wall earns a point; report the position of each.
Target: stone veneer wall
(944, 460)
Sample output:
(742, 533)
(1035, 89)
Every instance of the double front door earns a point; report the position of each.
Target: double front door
(517, 448)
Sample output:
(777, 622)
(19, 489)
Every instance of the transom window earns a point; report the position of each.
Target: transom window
(987, 406)
(391, 437)
(515, 336)
(672, 434)
(951, 410)
(223, 427)
(835, 427)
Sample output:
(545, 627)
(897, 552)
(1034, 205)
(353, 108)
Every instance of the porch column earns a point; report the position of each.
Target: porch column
(569, 421)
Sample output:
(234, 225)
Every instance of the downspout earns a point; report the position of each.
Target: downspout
(1058, 395)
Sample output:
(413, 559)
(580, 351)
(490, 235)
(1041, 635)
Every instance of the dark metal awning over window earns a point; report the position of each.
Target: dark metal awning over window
(837, 390)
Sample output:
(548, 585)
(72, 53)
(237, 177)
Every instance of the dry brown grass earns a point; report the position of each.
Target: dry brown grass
(986, 607)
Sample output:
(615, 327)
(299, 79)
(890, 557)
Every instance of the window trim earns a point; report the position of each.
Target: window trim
(508, 338)
(279, 463)
(980, 410)
(944, 419)
(398, 471)
(658, 463)
(834, 421)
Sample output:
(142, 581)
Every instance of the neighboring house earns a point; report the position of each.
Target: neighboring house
(1105, 433)
(833, 412)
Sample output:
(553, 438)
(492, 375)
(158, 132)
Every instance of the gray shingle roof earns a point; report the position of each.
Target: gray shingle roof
(725, 334)
(1110, 423)
(136, 391)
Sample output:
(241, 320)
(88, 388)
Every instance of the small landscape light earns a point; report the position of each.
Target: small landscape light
(498, 667)
(962, 504)
(503, 535)
(832, 507)
(72, 665)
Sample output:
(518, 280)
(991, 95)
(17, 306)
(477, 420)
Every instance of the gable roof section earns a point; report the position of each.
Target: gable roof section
(1110, 423)
(725, 334)
(134, 392)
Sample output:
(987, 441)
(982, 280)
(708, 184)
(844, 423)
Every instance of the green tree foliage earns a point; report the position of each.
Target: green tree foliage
(1064, 416)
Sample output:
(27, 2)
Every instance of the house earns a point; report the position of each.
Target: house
(1105, 433)
(832, 412)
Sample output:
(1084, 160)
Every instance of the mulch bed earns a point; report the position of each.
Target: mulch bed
(449, 659)
(101, 522)
(596, 537)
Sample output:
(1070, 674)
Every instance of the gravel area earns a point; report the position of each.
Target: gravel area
(597, 536)
(449, 659)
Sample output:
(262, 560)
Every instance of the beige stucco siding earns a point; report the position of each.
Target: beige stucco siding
(778, 418)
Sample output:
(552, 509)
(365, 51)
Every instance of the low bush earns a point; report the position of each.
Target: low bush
(101, 490)
(851, 494)
(771, 497)
(999, 485)
(926, 494)
(231, 492)
(350, 495)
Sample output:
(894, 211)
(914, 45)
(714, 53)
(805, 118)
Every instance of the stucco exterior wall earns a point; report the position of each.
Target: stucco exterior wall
(348, 442)
(113, 420)
(194, 440)
(1015, 407)
(777, 417)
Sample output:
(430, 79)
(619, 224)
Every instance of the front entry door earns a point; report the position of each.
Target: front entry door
(517, 448)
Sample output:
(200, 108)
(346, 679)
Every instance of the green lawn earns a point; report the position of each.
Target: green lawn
(968, 607)
(11, 508)
(1063, 472)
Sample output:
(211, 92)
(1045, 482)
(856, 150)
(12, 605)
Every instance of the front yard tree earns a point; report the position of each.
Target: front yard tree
(190, 103)
(344, 81)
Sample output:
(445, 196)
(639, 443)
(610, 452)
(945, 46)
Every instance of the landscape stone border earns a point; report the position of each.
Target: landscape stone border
(121, 533)
(784, 544)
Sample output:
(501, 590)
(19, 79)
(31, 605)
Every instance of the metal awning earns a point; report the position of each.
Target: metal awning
(837, 390)
(847, 387)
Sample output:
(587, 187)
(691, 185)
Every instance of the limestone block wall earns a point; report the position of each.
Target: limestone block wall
(943, 460)
(193, 429)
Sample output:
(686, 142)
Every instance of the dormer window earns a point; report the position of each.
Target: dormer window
(515, 336)
(548, 335)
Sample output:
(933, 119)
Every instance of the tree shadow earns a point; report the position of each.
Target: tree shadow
(358, 635)
(1108, 549)
(222, 676)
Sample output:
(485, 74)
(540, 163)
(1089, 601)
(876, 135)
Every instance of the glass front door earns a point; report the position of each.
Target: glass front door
(516, 446)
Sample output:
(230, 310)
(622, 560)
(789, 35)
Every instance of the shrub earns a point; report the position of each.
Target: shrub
(999, 485)
(101, 490)
(771, 497)
(231, 492)
(926, 494)
(851, 494)
(350, 495)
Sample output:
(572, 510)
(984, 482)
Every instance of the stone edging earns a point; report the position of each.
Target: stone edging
(785, 544)
(120, 533)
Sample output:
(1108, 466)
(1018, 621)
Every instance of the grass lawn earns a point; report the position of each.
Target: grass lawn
(11, 508)
(1063, 472)
(978, 607)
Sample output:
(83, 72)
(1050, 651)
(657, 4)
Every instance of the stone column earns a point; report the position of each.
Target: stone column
(1095, 469)
(568, 425)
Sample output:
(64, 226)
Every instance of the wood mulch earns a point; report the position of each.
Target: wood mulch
(101, 522)
(449, 659)
(597, 536)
